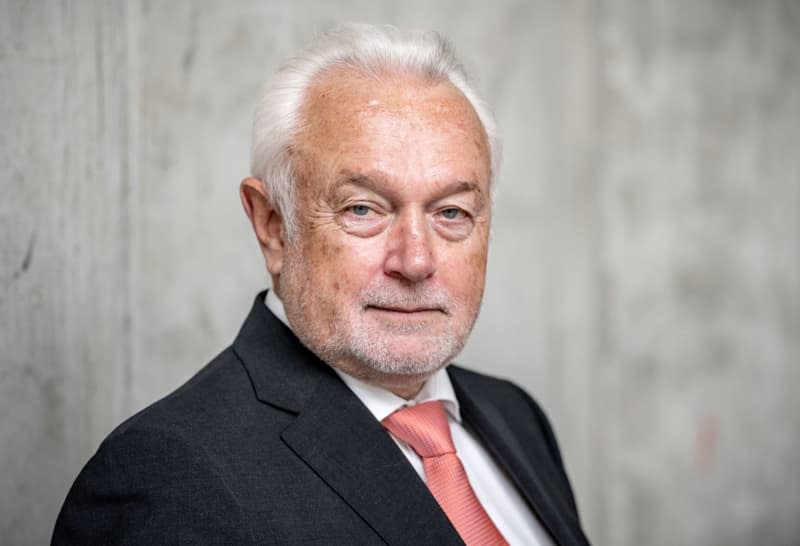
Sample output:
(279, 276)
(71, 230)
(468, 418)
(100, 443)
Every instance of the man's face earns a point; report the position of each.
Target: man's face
(385, 275)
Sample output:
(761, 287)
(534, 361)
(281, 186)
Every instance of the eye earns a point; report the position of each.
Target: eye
(452, 213)
(363, 219)
(360, 210)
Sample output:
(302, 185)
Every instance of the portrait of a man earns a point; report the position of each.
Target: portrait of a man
(336, 416)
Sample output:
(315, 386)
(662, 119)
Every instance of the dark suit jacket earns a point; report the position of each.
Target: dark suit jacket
(266, 445)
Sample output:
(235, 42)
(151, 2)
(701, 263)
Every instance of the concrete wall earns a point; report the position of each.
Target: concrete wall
(645, 274)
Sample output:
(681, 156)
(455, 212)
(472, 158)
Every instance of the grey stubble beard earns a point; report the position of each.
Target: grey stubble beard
(352, 346)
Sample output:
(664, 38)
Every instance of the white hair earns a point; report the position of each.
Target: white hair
(368, 49)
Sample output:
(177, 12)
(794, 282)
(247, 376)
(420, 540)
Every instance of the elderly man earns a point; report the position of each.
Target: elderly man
(333, 419)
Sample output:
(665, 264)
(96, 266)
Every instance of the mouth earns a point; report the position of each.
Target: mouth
(405, 310)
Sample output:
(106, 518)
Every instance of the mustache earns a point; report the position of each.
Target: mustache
(382, 296)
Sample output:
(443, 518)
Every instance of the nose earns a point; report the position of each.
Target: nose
(410, 252)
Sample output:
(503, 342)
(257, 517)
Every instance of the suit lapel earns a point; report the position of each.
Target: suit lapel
(337, 436)
(531, 472)
(344, 444)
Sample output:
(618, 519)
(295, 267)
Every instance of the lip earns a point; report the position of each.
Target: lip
(404, 310)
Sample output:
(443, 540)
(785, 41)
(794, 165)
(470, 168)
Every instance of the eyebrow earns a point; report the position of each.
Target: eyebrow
(376, 182)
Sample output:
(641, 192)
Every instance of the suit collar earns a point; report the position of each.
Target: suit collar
(336, 436)
(283, 371)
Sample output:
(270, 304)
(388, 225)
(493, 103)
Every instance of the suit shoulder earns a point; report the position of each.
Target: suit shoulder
(142, 483)
(221, 383)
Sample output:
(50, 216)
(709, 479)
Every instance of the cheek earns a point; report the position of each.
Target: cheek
(464, 272)
(476, 263)
(345, 264)
(322, 251)
(477, 252)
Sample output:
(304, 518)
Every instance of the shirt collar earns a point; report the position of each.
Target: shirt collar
(274, 304)
(380, 402)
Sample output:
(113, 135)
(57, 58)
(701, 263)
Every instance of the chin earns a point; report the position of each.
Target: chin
(405, 355)
(411, 367)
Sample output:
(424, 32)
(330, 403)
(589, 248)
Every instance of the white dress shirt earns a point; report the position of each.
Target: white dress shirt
(497, 494)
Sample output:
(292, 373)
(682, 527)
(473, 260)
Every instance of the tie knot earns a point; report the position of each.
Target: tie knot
(424, 427)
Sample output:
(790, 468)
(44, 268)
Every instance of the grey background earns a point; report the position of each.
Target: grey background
(644, 281)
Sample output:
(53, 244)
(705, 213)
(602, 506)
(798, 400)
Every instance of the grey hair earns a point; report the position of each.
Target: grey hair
(368, 49)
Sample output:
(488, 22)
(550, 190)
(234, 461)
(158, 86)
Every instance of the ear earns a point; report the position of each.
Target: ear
(267, 223)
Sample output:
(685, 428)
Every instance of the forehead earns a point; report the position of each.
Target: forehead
(392, 122)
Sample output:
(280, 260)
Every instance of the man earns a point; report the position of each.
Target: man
(332, 418)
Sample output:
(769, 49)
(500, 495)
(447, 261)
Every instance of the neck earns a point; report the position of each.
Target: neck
(404, 386)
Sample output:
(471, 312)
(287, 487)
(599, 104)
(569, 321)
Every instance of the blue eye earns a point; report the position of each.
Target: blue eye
(451, 213)
(360, 210)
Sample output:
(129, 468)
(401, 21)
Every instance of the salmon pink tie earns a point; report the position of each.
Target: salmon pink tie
(425, 428)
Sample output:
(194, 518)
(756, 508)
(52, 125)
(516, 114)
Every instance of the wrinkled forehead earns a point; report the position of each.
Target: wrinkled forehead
(342, 92)
(343, 105)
